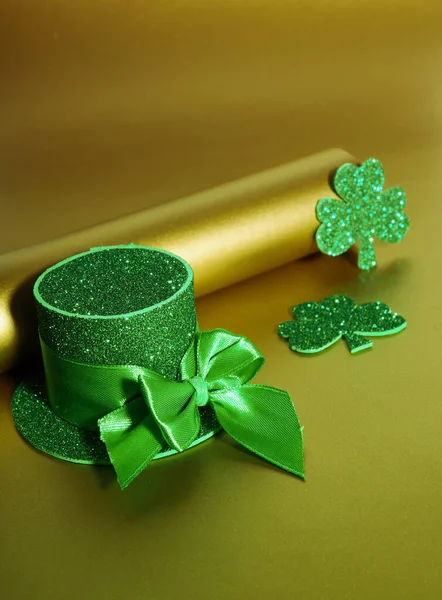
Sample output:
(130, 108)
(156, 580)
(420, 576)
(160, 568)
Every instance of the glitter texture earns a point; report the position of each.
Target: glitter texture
(318, 325)
(112, 305)
(44, 429)
(119, 305)
(365, 212)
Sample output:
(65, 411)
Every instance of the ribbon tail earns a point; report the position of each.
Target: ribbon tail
(132, 439)
(263, 420)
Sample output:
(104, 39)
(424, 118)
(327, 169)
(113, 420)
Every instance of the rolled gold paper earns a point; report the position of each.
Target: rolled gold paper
(227, 234)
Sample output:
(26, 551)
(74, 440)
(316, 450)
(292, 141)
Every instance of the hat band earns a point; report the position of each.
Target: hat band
(82, 393)
(136, 410)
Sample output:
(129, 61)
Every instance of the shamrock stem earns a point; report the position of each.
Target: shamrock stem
(357, 342)
(367, 257)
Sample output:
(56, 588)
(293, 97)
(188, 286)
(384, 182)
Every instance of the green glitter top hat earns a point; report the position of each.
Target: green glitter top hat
(111, 305)
(130, 378)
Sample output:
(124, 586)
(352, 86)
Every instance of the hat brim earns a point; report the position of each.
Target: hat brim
(41, 427)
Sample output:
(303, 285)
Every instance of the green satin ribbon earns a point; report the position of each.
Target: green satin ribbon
(137, 409)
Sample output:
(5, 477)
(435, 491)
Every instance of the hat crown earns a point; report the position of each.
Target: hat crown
(119, 305)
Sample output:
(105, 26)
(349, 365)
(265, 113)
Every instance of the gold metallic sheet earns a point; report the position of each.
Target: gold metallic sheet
(107, 107)
(227, 234)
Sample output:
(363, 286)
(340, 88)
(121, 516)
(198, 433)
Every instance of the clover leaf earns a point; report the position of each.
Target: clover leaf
(365, 212)
(318, 325)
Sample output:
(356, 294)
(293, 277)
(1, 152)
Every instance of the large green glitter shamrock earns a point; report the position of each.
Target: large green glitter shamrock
(365, 212)
(321, 324)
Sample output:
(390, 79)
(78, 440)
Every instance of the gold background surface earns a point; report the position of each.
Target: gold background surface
(108, 107)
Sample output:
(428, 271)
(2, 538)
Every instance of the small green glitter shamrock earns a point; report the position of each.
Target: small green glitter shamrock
(318, 325)
(365, 212)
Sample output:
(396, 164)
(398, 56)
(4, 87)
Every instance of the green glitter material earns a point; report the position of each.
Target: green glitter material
(366, 212)
(119, 305)
(44, 430)
(318, 325)
(111, 305)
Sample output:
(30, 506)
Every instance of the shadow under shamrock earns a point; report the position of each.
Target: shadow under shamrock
(331, 348)
(310, 355)
(380, 280)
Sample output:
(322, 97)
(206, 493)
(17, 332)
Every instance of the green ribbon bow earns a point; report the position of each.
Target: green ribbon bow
(138, 409)
(214, 370)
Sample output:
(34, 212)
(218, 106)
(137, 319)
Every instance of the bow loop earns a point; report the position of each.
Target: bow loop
(222, 359)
